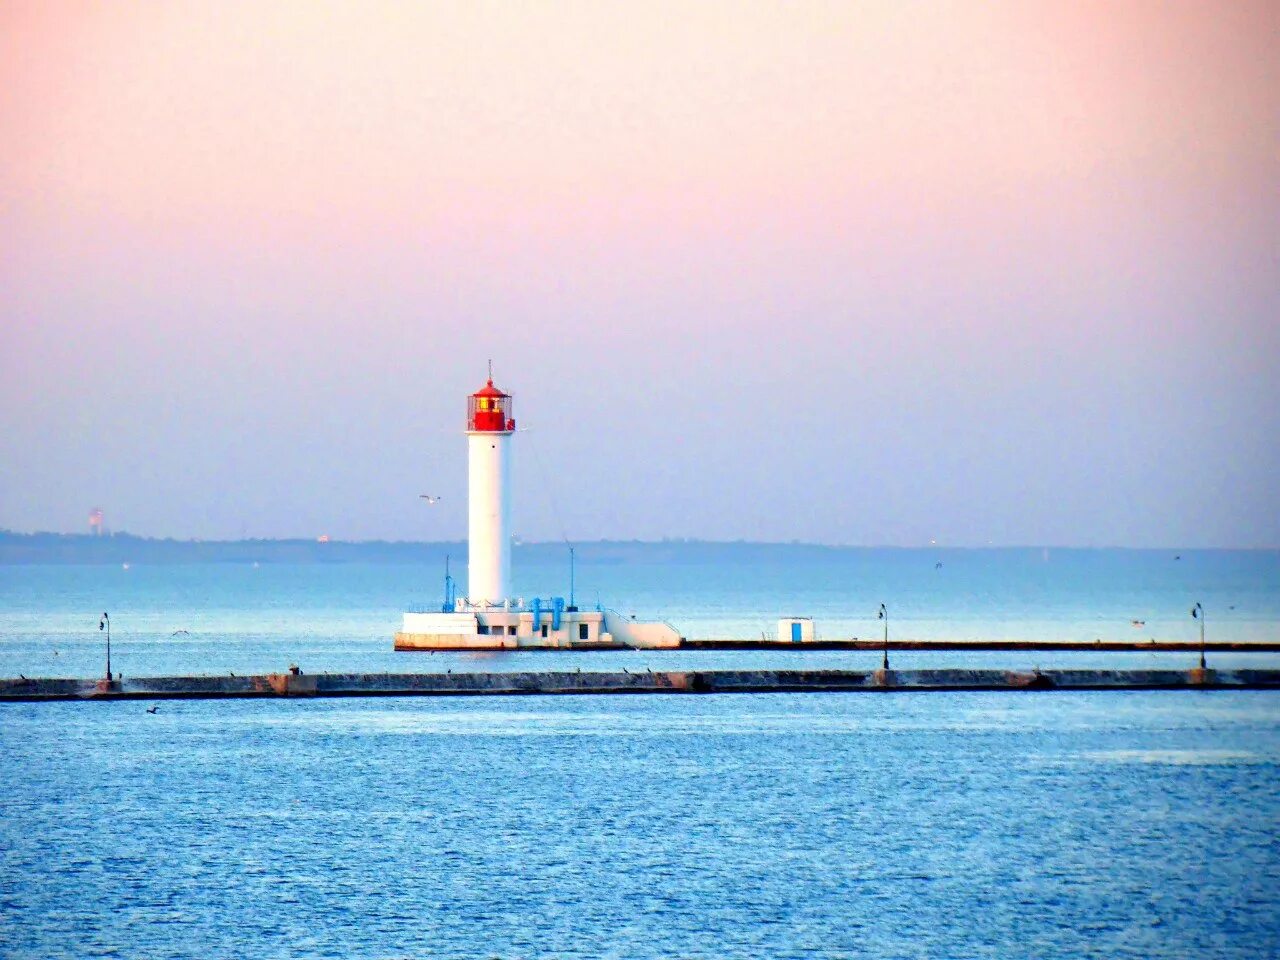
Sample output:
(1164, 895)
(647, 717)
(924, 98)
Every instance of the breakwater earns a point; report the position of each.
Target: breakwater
(1062, 646)
(298, 684)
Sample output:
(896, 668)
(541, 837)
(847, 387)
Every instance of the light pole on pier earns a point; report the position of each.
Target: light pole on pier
(884, 615)
(1197, 613)
(105, 624)
(450, 603)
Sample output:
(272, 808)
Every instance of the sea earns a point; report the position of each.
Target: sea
(922, 825)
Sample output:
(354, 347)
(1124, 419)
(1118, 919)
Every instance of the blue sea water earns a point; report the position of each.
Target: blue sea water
(1001, 825)
(219, 618)
(826, 825)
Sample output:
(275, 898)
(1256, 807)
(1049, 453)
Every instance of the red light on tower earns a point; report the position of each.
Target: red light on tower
(489, 411)
(95, 521)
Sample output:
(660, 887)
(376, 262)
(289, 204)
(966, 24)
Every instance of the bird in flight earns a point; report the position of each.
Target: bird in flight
(153, 709)
(430, 499)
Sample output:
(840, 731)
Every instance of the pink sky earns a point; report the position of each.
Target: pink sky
(253, 255)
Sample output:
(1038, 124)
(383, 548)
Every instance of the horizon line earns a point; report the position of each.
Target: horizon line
(664, 541)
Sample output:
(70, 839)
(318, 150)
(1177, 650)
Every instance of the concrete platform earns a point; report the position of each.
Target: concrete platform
(481, 643)
(666, 681)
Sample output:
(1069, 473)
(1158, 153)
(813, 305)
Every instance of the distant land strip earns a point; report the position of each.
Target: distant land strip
(118, 548)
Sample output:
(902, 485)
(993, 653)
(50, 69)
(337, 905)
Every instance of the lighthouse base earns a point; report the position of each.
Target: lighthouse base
(476, 643)
(499, 628)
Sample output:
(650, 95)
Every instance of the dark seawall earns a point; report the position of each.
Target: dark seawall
(1040, 646)
(666, 681)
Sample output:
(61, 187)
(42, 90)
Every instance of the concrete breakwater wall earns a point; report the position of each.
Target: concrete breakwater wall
(1042, 646)
(666, 681)
(409, 643)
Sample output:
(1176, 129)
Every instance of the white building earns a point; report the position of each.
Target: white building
(489, 617)
(795, 630)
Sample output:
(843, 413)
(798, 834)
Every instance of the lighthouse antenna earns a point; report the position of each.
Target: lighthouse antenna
(491, 369)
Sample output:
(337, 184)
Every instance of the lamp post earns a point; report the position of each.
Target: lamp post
(105, 624)
(572, 605)
(1197, 613)
(884, 615)
(450, 594)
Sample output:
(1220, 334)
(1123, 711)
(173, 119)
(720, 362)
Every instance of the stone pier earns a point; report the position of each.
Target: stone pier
(300, 684)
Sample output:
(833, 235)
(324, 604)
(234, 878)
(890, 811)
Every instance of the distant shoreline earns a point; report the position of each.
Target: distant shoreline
(83, 549)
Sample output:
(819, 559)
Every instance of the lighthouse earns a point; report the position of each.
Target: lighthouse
(489, 429)
(489, 617)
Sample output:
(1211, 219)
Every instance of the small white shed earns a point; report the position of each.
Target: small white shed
(795, 630)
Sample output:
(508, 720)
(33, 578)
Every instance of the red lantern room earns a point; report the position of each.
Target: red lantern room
(489, 411)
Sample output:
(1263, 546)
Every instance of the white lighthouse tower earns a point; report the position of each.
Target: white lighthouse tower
(489, 430)
(489, 617)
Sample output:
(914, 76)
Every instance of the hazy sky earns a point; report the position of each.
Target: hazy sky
(870, 273)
